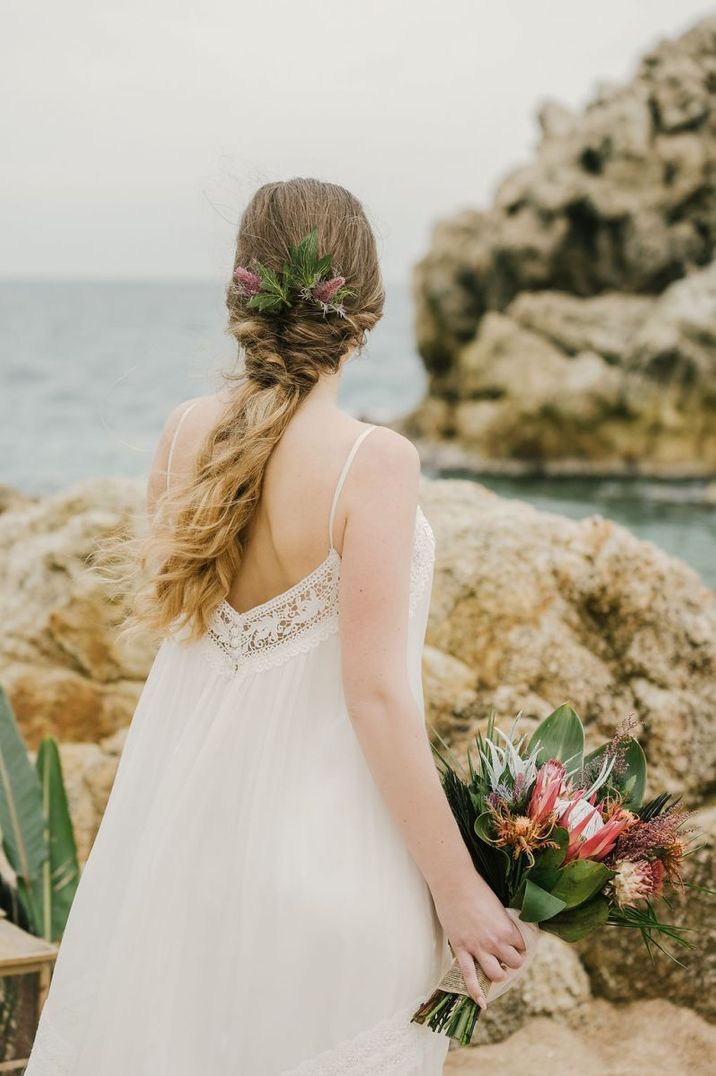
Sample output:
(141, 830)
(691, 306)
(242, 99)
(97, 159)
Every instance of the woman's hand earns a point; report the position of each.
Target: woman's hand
(479, 928)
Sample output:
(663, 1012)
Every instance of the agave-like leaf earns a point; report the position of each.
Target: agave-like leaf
(560, 736)
(21, 819)
(60, 873)
(633, 781)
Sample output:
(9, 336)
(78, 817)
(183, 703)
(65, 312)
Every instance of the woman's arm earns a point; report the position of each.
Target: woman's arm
(381, 496)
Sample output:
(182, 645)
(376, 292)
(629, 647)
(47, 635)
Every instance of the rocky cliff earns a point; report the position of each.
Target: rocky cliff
(528, 609)
(573, 323)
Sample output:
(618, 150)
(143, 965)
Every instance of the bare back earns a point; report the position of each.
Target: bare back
(288, 536)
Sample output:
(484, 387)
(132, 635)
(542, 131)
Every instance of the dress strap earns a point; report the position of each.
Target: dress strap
(174, 438)
(342, 478)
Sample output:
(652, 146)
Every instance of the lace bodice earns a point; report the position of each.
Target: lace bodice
(299, 618)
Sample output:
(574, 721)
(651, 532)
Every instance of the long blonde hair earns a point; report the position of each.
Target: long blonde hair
(184, 566)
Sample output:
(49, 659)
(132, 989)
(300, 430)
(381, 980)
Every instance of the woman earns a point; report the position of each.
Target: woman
(277, 872)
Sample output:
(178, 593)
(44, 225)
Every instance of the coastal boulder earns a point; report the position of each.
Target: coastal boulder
(545, 610)
(572, 322)
(60, 661)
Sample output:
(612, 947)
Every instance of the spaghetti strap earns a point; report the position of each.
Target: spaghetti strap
(174, 438)
(341, 480)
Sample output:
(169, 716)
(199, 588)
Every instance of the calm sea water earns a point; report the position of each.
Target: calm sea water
(90, 371)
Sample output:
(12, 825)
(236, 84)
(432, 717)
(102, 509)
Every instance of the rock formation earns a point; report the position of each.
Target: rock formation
(528, 609)
(60, 662)
(597, 1038)
(573, 322)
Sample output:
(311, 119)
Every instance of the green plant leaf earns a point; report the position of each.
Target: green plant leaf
(553, 857)
(580, 880)
(576, 923)
(60, 875)
(538, 904)
(560, 736)
(261, 302)
(270, 283)
(483, 827)
(633, 780)
(21, 819)
(546, 877)
(304, 257)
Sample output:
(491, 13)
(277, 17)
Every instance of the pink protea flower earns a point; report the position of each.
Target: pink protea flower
(325, 291)
(590, 837)
(637, 879)
(546, 790)
(248, 281)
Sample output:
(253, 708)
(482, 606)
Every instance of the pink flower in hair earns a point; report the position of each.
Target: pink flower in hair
(325, 291)
(248, 281)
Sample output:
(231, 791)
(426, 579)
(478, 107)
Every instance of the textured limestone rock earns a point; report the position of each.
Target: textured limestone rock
(573, 320)
(543, 609)
(60, 661)
(599, 1039)
(528, 609)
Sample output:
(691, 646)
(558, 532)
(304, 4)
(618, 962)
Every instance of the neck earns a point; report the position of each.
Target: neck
(327, 387)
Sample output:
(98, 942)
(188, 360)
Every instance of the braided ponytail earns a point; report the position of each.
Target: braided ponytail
(189, 560)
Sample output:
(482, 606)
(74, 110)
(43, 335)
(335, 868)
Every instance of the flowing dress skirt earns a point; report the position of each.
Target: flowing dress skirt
(249, 907)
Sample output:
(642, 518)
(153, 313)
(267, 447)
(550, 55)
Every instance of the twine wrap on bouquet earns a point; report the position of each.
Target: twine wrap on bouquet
(444, 1012)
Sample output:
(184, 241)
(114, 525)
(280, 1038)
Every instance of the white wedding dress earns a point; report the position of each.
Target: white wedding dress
(249, 907)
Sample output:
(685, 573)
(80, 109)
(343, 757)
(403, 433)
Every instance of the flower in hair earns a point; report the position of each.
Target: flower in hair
(305, 277)
(249, 283)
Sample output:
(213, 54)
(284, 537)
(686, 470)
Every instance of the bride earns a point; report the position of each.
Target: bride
(277, 873)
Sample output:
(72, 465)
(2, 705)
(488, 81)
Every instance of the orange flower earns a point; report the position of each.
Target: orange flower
(521, 833)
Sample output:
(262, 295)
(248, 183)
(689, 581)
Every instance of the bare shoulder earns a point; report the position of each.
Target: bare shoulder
(196, 416)
(390, 453)
(198, 409)
(386, 466)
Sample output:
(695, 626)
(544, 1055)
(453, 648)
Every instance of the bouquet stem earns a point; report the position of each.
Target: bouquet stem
(450, 1009)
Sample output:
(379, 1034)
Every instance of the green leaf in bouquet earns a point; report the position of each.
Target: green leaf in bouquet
(546, 877)
(633, 780)
(580, 880)
(575, 923)
(560, 736)
(538, 904)
(493, 862)
(553, 857)
(483, 827)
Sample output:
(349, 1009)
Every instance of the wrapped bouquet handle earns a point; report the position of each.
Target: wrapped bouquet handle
(451, 1009)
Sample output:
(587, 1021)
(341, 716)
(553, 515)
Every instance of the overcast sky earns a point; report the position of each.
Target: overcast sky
(133, 132)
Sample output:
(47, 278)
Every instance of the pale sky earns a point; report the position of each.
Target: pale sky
(133, 132)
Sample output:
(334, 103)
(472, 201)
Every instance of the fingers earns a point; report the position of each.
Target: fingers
(509, 955)
(517, 939)
(492, 968)
(467, 967)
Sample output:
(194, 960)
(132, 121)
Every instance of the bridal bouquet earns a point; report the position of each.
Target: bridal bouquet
(565, 842)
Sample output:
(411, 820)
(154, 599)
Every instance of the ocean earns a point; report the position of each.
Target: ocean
(90, 370)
